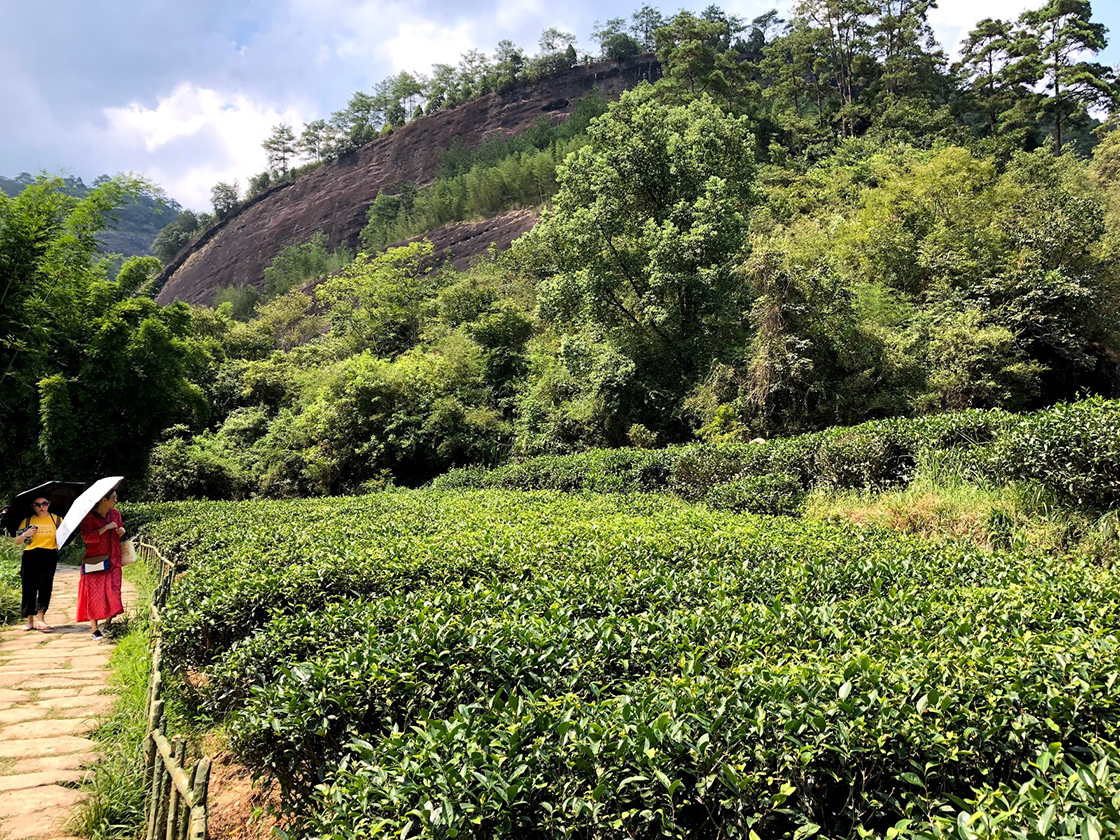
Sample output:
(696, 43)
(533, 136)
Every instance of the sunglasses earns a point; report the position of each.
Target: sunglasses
(42, 504)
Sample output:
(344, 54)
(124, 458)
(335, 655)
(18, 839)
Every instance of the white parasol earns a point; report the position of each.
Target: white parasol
(84, 504)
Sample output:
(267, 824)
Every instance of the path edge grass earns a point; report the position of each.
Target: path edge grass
(115, 807)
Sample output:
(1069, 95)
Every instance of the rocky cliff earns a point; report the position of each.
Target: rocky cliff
(334, 197)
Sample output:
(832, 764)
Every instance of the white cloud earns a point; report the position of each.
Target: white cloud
(516, 13)
(952, 20)
(418, 44)
(222, 131)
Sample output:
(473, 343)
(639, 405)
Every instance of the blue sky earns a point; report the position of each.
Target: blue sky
(184, 91)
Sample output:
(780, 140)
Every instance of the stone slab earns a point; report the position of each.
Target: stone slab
(18, 714)
(85, 704)
(25, 781)
(11, 696)
(37, 826)
(47, 728)
(49, 683)
(83, 691)
(67, 659)
(53, 798)
(53, 763)
(36, 747)
(19, 679)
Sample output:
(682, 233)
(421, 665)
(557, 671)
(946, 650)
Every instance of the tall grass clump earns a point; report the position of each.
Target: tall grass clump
(9, 582)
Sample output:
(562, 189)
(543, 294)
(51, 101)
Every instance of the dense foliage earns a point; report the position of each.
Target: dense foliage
(94, 370)
(763, 243)
(138, 223)
(1072, 451)
(504, 664)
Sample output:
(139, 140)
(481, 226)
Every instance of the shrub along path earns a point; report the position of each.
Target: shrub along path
(53, 688)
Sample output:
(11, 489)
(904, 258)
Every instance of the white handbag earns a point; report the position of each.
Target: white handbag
(89, 566)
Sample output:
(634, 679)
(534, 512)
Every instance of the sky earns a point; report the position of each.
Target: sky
(184, 91)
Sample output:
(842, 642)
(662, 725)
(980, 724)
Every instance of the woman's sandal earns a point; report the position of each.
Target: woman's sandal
(43, 627)
(27, 627)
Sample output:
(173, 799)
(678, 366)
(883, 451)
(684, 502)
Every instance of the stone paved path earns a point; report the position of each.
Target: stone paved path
(53, 687)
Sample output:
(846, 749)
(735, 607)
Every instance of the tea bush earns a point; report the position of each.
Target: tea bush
(1071, 449)
(480, 664)
(778, 494)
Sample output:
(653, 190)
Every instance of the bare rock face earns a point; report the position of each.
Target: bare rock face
(462, 242)
(334, 198)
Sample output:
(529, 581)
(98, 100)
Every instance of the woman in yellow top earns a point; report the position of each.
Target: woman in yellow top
(40, 558)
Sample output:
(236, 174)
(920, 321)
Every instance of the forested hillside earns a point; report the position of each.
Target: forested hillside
(135, 224)
(803, 223)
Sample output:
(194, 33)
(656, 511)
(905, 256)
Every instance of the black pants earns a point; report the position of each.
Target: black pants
(36, 573)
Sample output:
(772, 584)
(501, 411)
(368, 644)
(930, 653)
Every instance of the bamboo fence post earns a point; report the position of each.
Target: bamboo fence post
(177, 809)
(167, 784)
(155, 719)
(157, 768)
(198, 797)
(173, 804)
(185, 812)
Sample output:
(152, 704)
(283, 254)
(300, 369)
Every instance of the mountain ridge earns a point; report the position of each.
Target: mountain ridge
(334, 197)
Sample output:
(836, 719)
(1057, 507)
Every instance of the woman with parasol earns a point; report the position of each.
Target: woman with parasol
(99, 593)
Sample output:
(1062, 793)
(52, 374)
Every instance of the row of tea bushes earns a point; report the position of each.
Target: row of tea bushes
(1072, 450)
(251, 561)
(486, 664)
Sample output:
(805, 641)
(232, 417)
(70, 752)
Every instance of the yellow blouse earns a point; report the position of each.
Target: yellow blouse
(44, 537)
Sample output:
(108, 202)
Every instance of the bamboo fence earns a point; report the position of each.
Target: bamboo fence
(177, 801)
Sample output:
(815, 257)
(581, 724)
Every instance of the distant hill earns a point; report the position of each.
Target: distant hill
(140, 220)
(335, 198)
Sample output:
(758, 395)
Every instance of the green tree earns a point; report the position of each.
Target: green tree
(614, 42)
(509, 60)
(137, 274)
(846, 38)
(800, 86)
(258, 184)
(474, 76)
(280, 147)
(56, 315)
(912, 61)
(644, 231)
(171, 239)
(644, 24)
(357, 123)
(696, 60)
(376, 301)
(1062, 32)
(995, 82)
(225, 197)
(314, 140)
(442, 90)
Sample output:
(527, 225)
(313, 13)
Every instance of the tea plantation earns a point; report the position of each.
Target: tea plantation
(529, 664)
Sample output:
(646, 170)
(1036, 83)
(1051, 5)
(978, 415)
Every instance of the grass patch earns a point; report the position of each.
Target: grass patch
(10, 596)
(115, 809)
(945, 500)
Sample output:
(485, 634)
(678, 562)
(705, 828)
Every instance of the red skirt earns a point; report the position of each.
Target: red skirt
(99, 595)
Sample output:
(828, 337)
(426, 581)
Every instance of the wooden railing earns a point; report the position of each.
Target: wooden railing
(177, 800)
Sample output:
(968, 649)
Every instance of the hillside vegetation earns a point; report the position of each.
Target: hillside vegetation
(135, 224)
(729, 253)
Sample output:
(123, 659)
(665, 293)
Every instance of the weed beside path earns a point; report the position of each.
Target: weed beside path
(53, 688)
